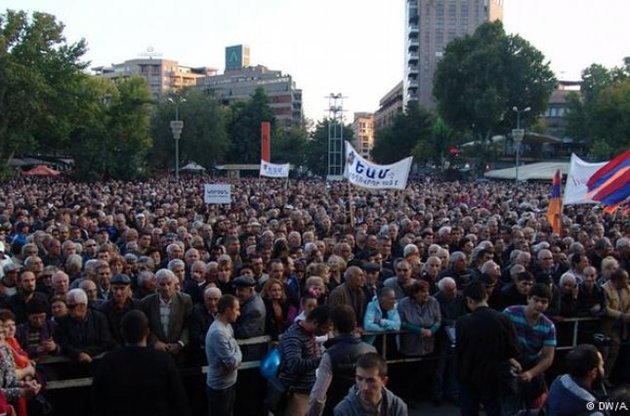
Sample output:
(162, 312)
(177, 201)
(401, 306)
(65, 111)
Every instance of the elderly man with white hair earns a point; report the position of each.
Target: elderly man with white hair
(452, 306)
(83, 333)
(569, 290)
(168, 311)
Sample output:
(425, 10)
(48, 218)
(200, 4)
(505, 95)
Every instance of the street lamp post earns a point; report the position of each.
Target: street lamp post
(517, 136)
(176, 128)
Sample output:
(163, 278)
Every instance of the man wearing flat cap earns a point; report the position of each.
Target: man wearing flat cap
(251, 323)
(118, 305)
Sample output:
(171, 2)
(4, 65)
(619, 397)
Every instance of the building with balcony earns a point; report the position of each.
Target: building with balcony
(363, 137)
(388, 107)
(163, 76)
(239, 82)
(430, 26)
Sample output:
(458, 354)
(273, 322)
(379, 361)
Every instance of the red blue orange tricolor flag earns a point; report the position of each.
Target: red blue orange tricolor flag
(610, 185)
(554, 210)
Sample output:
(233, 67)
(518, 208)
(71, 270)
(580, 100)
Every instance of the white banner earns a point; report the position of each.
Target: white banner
(217, 193)
(579, 173)
(273, 170)
(366, 174)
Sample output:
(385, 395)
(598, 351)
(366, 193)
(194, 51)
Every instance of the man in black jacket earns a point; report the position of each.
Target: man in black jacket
(335, 374)
(486, 340)
(136, 380)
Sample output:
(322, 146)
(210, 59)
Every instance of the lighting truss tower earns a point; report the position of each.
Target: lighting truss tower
(335, 137)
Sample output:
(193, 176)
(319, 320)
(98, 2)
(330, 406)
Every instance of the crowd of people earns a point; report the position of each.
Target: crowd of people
(301, 263)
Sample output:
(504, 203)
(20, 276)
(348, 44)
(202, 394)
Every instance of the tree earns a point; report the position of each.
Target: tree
(114, 142)
(408, 130)
(481, 77)
(244, 127)
(598, 111)
(40, 77)
(317, 147)
(290, 147)
(435, 147)
(204, 137)
(611, 116)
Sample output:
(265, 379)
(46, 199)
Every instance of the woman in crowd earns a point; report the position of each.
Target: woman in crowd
(17, 385)
(277, 307)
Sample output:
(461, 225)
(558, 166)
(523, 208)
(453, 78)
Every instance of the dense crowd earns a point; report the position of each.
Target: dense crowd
(75, 257)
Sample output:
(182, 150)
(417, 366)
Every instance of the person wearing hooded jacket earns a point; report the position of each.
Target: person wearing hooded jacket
(369, 396)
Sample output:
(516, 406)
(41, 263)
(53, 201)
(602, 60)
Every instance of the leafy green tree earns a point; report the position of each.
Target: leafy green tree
(579, 118)
(204, 138)
(408, 130)
(244, 127)
(116, 139)
(40, 77)
(481, 77)
(598, 111)
(600, 150)
(435, 147)
(317, 147)
(611, 116)
(290, 147)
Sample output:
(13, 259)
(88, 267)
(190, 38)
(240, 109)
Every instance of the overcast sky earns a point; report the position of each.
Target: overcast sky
(353, 47)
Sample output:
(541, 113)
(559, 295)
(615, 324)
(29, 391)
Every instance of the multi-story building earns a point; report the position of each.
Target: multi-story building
(557, 108)
(431, 25)
(239, 83)
(162, 75)
(363, 137)
(388, 107)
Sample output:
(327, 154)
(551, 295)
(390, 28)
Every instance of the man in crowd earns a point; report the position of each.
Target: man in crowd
(224, 357)
(486, 341)
(168, 312)
(83, 333)
(369, 396)
(137, 380)
(118, 305)
(300, 357)
(572, 393)
(537, 341)
(335, 374)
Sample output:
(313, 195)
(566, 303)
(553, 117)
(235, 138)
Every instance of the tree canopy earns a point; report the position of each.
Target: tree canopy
(599, 113)
(40, 79)
(244, 127)
(408, 130)
(204, 137)
(482, 76)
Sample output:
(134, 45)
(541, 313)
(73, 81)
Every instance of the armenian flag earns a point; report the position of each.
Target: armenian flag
(610, 185)
(554, 210)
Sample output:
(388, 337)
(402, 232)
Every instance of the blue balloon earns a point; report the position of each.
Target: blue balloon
(270, 364)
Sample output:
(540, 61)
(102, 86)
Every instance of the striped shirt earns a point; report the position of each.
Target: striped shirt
(531, 339)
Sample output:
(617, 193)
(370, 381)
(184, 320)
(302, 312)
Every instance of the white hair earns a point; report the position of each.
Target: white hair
(77, 296)
(443, 282)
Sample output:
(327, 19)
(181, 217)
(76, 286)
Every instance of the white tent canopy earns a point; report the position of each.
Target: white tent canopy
(193, 167)
(536, 171)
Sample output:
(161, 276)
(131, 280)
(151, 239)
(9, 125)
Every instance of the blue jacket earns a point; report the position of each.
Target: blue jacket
(377, 321)
(567, 397)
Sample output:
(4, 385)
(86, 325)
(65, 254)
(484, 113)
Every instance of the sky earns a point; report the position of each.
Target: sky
(352, 47)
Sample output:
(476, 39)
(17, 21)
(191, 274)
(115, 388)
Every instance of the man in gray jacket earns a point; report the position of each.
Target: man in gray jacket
(369, 396)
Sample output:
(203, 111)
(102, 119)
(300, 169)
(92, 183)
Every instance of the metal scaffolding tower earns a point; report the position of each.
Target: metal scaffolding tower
(335, 137)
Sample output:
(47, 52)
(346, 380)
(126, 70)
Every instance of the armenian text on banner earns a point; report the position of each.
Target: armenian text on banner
(217, 193)
(273, 170)
(369, 175)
